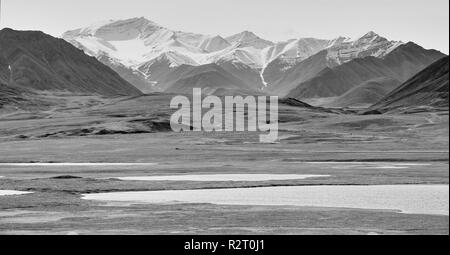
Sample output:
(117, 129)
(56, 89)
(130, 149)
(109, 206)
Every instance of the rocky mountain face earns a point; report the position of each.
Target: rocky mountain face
(371, 44)
(429, 88)
(281, 83)
(249, 39)
(35, 61)
(145, 53)
(284, 74)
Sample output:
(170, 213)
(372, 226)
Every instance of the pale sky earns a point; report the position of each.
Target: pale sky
(425, 22)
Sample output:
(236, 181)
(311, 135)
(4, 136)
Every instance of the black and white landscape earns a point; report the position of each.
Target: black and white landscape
(86, 145)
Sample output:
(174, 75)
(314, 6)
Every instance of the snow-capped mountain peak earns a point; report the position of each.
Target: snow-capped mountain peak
(370, 38)
(370, 34)
(116, 29)
(214, 44)
(249, 39)
(242, 37)
(135, 41)
(142, 45)
(342, 50)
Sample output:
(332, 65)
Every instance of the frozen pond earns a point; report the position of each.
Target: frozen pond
(13, 192)
(225, 177)
(411, 199)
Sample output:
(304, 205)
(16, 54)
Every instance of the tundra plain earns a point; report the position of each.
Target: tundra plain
(133, 136)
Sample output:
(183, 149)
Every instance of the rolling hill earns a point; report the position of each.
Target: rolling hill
(366, 94)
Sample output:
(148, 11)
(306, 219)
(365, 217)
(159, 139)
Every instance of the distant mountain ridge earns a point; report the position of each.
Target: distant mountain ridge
(143, 52)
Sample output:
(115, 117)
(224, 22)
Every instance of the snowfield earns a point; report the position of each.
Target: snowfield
(134, 42)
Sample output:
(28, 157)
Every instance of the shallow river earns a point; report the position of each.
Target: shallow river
(225, 177)
(411, 199)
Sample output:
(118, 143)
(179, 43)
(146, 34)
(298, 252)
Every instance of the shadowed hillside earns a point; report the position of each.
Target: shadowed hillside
(34, 60)
(366, 94)
(401, 64)
(428, 88)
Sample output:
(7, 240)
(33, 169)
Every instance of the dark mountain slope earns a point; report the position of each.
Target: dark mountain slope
(401, 64)
(212, 78)
(134, 77)
(160, 71)
(40, 62)
(427, 88)
(281, 83)
(250, 76)
(165, 75)
(366, 94)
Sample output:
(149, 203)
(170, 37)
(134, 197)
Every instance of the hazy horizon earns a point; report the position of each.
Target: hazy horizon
(420, 21)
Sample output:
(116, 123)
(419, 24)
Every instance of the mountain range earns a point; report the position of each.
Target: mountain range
(136, 56)
(149, 55)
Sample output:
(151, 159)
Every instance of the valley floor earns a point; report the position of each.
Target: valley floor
(85, 130)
